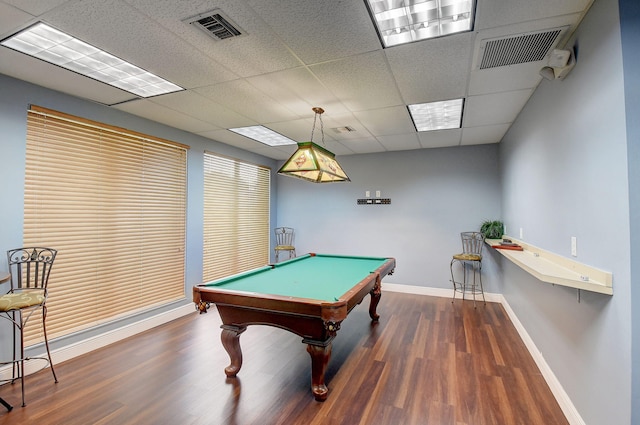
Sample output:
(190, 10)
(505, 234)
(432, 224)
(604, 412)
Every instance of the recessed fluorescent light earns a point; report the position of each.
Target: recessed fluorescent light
(44, 42)
(400, 22)
(437, 115)
(263, 135)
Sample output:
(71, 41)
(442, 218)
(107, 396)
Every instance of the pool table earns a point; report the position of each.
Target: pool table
(308, 295)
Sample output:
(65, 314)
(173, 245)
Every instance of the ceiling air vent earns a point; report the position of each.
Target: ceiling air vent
(215, 24)
(345, 129)
(517, 49)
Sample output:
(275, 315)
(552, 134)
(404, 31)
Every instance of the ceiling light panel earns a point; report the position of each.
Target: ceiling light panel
(50, 45)
(263, 135)
(437, 115)
(405, 21)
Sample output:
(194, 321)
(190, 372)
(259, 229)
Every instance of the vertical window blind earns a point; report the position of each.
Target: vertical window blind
(113, 203)
(236, 216)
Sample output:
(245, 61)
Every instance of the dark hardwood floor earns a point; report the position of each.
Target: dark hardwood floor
(427, 361)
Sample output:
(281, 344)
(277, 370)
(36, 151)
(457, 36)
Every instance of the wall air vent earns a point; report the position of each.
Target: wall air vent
(521, 48)
(215, 24)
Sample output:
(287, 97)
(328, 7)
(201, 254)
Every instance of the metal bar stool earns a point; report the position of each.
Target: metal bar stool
(29, 270)
(470, 260)
(284, 241)
(2, 400)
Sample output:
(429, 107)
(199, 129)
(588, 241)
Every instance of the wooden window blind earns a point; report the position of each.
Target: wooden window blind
(236, 216)
(113, 203)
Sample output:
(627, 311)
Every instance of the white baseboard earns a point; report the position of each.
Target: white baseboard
(434, 292)
(556, 388)
(77, 349)
(567, 406)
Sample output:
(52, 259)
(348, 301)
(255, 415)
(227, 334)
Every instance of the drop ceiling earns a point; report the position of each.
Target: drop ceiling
(293, 55)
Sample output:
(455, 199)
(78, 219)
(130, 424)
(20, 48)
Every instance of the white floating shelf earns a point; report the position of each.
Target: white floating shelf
(556, 269)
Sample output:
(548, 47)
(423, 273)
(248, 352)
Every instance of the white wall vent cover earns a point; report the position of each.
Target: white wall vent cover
(215, 24)
(521, 48)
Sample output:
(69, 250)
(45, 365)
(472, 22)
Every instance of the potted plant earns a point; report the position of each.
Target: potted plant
(492, 229)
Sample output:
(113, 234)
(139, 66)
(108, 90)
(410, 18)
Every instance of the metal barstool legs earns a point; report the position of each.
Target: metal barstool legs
(465, 286)
(5, 404)
(18, 363)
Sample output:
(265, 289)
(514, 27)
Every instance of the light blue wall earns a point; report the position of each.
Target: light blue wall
(435, 194)
(565, 174)
(15, 98)
(630, 31)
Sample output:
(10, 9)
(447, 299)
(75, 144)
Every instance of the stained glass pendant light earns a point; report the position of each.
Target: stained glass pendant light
(312, 162)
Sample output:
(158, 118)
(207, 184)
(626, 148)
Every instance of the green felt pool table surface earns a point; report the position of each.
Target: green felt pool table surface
(318, 277)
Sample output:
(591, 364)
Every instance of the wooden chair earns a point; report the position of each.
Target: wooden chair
(29, 269)
(284, 241)
(470, 260)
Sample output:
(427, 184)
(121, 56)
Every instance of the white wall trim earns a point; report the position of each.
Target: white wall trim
(567, 406)
(435, 292)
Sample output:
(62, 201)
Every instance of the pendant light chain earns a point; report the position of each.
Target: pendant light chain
(318, 112)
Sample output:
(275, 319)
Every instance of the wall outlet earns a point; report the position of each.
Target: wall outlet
(521, 233)
(574, 246)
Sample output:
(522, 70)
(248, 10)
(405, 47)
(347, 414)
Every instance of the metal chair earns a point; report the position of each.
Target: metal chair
(470, 260)
(284, 241)
(29, 269)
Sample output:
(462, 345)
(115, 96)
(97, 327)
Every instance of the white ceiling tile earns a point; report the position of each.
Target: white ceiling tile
(499, 13)
(36, 7)
(337, 148)
(155, 112)
(440, 138)
(201, 108)
(400, 142)
(298, 130)
(245, 99)
(359, 90)
(432, 70)
(386, 121)
(483, 135)
(298, 90)
(317, 31)
(497, 108)
(363, 145)
(12, 19)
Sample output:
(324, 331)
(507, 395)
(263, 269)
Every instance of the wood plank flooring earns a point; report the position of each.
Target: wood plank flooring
(427, 361)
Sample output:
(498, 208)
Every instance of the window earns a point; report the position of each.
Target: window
(236, 216)
(113, 203)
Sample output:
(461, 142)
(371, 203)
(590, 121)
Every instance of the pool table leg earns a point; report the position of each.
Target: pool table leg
(231, 343)
(320, 352)
(376, 293)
